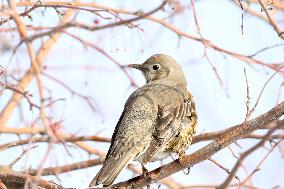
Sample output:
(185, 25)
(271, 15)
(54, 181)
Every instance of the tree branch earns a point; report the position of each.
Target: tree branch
(66, 168)
(13, 179)
(228, 180)
(271, 20)
(206, 152)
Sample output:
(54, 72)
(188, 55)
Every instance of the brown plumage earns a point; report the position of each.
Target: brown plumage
(158, 119)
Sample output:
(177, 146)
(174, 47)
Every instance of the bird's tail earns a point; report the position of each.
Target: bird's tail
(110, 170)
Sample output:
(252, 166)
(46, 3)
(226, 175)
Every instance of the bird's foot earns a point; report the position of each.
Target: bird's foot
(186, 171)
(181, 163)
(144, 171)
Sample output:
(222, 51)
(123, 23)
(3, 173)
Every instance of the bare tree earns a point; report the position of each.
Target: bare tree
(63, 67)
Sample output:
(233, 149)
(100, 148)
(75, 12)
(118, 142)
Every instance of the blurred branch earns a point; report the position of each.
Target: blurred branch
(66, 168)
(47, 139)
(25, 94)
(278, 4)
(35, 64)
(221, 138)
(24, 130)
(271, 20)
(29, 75)
(217, 134)
(91, 28)
(245, 58)
(21, 156)
(203, 40)
(213, 186)
(248, 112)
(206, 152)
(108, 56)
(88, 99)
(258, 166)
(224, 168)
(13, 179)
(275, 6)
(260, 94)
(244, 155)
(238, 131)
(62, 138)
(245, 6)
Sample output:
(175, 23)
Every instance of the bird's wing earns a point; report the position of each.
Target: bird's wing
(99, 177)
(168, 125)
(126, 144)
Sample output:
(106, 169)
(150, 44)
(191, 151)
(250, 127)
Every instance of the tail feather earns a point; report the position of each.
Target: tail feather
(110, 170)
(110, 178)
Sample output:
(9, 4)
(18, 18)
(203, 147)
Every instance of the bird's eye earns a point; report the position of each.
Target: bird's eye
(156, 67)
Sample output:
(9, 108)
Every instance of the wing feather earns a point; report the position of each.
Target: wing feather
(168, 125)
(131, 135)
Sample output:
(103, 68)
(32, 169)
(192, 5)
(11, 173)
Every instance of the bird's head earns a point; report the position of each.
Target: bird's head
(161, 66)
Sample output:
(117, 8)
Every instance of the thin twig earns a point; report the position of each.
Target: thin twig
(88, 99)
(20, 156)
(260, 163)
(91, 28)
(271, 20)
(66, 168)
(260, 94)
(205, 45)
(247, 97)
(223, 168)
(226, 183)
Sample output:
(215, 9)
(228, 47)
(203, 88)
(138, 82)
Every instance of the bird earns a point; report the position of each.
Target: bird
(159, 119)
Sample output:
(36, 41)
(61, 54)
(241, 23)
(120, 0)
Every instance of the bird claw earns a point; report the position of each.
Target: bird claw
(187, 171)
(144, 172)
(180, 161)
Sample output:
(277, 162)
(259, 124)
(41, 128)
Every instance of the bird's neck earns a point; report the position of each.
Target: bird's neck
(179, 80)
(170, 81)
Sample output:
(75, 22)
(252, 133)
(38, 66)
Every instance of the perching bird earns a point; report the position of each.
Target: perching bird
(159, 119)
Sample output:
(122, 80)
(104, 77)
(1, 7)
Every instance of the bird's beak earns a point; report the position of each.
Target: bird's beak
(137, 66)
